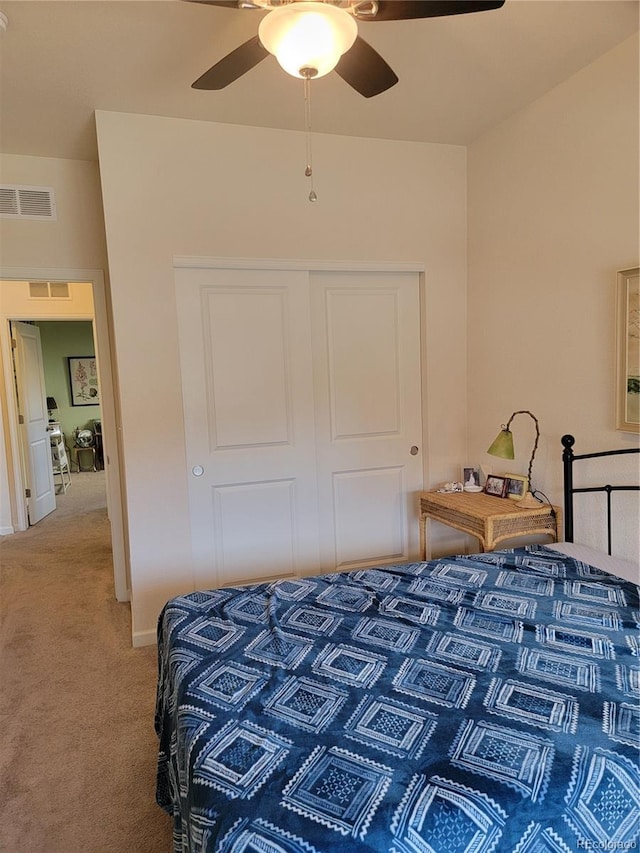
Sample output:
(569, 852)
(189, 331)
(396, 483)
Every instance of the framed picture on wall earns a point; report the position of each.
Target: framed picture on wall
(628, 372)
(83, 380)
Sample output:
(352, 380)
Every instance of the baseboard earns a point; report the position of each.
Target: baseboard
(143, 638)
(6, 531)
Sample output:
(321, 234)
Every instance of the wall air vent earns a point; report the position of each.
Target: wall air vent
(19, 202)
(49, 290)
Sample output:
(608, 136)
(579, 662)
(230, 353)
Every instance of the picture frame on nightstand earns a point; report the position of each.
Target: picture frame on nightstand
(496, 486)
(471, 478)
(516, 486)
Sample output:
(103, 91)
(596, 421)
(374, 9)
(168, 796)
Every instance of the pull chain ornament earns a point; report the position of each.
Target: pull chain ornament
(313, 196)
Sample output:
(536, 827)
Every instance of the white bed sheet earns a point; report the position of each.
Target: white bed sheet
(614, 565)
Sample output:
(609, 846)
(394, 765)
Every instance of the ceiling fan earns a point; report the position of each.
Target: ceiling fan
(312, 37)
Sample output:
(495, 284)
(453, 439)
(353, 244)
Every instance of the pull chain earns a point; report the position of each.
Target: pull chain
(307, 131)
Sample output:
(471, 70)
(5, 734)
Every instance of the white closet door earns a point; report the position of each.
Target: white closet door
(366, 341)
(248, 401)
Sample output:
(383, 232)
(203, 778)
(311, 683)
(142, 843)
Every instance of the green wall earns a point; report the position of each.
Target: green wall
(61, 339)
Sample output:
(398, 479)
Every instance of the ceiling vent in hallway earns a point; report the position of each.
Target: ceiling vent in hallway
(19, 202)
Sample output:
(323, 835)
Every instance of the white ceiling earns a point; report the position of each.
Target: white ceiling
(62, 59)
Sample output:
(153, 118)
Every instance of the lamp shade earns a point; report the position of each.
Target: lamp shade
(308, 38)
(51, 403)
(503, 445)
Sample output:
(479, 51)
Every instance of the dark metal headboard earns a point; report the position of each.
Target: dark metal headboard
(568, 458)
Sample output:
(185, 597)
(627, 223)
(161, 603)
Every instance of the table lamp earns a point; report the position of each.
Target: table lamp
(503, 447)
(51, 406)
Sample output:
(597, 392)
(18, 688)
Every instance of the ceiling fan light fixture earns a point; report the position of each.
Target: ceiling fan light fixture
(308, 38)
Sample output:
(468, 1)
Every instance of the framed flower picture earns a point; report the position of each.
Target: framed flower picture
(83, 380)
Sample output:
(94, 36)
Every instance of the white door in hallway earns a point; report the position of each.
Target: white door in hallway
(301, 395)
(32, 407)
(366, 355)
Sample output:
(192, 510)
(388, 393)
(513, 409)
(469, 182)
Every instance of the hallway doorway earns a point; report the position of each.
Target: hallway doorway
(85, 301)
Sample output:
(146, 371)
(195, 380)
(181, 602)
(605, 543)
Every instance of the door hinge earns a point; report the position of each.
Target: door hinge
(27, 493)
(20, 419)
(14, 343)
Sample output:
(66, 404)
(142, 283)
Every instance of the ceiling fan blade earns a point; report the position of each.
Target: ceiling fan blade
(230, 4)
(365, 70)
(401, 10)
(234, 65)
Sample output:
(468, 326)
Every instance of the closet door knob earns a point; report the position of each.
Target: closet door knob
(414, 450)
(197, 470)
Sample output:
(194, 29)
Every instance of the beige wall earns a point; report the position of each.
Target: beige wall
(553, 213)
(76, 239)
(174, 187)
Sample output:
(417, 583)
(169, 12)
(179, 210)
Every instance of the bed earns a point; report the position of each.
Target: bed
(462, 705)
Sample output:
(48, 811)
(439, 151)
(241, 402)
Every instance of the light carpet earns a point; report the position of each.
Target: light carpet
(77, 745)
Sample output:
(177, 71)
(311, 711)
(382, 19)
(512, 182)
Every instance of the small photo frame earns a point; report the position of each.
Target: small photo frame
(496, 486)
(516, 486)
(471, 477)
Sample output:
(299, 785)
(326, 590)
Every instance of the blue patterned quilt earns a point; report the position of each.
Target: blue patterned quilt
(464, 705)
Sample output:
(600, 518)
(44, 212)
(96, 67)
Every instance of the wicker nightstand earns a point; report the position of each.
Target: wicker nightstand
(491, 520)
